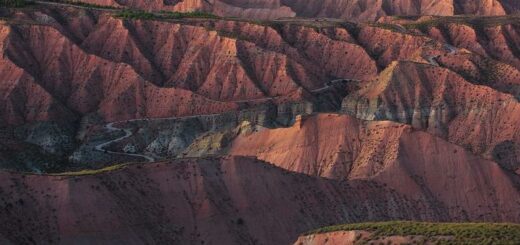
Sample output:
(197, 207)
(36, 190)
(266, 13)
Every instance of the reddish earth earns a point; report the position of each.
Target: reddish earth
(23, 99)
(86, 83)
(357, 9)
(443, 103)
(202, 67)
(230, 200)
(213, 63)
(429, 129)
(429, 168)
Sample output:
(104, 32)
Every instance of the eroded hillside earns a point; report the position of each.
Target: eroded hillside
(243, 131)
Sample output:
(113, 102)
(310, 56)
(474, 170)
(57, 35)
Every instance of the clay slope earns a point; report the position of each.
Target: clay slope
(246, 62)
(86, 83)
(231, 200)
(443, 103)
(415, 163)
(134, 69)
(494, 38)
(497, 39)
(22, 99)
(358, 9)
(223, 60)
(483, 51)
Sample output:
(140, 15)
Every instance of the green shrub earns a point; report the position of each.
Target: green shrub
(139, 14)
(13, 3)
(133, 14)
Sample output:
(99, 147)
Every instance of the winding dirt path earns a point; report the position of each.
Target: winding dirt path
(128, 132)
(110, 128)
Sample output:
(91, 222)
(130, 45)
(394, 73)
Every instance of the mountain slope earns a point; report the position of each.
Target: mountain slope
(87, 84)
(443, 103)
(230, 200)
(414, 163)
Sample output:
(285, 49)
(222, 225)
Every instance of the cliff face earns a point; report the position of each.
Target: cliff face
(231, 200)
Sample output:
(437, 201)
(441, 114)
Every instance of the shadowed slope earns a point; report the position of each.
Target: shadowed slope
(87, 83)
(231, 200)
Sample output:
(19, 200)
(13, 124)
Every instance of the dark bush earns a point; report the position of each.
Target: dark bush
(13, 3)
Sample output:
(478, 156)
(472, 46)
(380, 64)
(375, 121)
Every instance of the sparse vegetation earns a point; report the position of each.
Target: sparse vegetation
(13, 3)
(134, 14)
(93, 171)
(459, 233)
(139, 14)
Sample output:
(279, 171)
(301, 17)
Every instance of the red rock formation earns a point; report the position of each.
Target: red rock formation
(388, 45)
(492, 40)
(221, 60)
(443, 103)
(452, 152)
(86, 83)
(229, 60)
(231, 200)
(412, 162)
(484, 71)
(22, 99)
